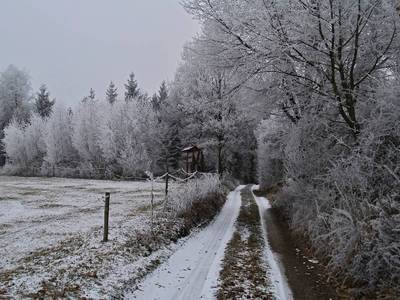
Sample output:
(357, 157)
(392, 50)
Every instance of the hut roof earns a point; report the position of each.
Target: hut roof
(191, 149)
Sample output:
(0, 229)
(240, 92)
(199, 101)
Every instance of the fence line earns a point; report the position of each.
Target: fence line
(40, 171)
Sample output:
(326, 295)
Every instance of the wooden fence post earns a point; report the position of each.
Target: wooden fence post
(106, 217)
(166, 191)
(151, 176)
(166, 185)
(152, 205)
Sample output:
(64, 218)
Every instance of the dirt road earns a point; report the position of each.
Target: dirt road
(245, 253)
(192, 271)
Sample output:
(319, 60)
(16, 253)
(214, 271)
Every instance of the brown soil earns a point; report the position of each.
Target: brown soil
(307, 280)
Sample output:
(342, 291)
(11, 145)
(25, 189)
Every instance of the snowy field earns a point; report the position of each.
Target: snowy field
(49, 226)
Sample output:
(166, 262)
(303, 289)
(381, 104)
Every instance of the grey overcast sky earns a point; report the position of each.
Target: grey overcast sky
(75, 45)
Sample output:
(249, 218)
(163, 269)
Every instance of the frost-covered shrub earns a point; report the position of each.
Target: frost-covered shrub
(25, 147)
(343, 191)
(364, 230)
(197, 200)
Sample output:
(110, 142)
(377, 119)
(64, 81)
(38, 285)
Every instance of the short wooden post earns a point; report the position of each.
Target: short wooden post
(106, 217)
(152, 205)
(166, 185)
(166, 191)
(151, 176)
(187, 162)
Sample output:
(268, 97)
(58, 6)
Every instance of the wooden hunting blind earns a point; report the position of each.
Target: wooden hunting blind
(194, 159)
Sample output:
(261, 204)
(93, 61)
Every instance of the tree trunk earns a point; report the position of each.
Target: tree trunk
(220, 167)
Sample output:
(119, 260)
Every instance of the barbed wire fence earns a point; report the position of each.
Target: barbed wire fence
(179, 176)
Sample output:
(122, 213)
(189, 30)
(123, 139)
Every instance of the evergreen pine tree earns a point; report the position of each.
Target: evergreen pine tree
(163, 92)
(173, 145)
(158, 99)
(111, 93)
(132, 90)
(155, 103)
(43, 105)
(169, 142)
(92, 94)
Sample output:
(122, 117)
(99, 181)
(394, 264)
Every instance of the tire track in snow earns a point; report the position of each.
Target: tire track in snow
(281, 289)
(192, 271)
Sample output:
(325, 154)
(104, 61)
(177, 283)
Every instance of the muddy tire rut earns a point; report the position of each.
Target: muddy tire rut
(244, 273)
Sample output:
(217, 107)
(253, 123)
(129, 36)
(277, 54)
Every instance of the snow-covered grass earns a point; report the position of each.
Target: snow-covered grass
(198, 200)
(51, 231)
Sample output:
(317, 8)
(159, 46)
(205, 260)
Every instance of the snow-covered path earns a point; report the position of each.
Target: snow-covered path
(192, 271)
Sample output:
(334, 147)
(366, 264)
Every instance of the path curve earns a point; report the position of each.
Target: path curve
(192, 271)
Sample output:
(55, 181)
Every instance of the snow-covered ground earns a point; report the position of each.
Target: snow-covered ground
(192, 271)
(39, 212)
(50, 243)
(49, 226)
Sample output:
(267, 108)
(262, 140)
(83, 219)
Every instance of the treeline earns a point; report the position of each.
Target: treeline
(96, 139)
(118, 137)
(326, 76)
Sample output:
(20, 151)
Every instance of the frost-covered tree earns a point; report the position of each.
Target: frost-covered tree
(92, 94)
(111, 93)
(25, 146)
(161, 96)
(86, 137)
(124, 133)
(208, 99)
(331, 49)
(58, 140)
(90, 97)
(131, 88)
(327, 73)
(164, 142)
(154, 101)
(43, 105)
(15, 96)
(163, 92)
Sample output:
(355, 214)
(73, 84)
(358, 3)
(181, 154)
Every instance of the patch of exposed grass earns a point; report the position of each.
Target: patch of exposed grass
(52, 205)
(8, 198)
(28, 264)
(147, 207)
(244, 274)
(4, 226)
(50, 290)
(30, 192)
